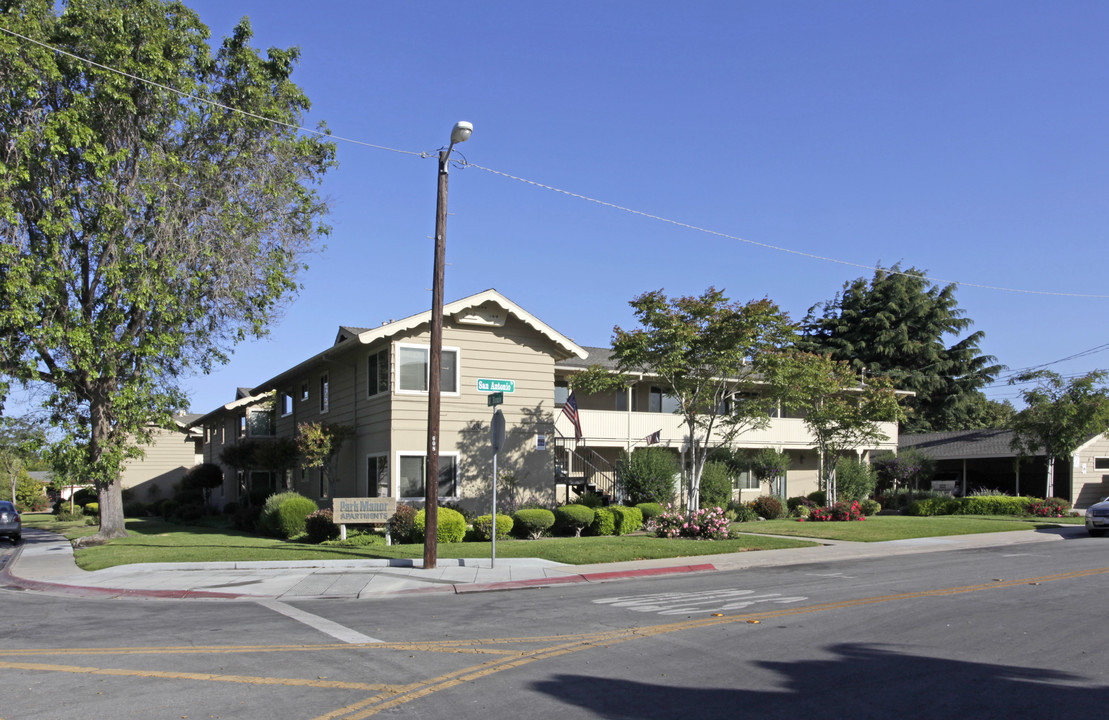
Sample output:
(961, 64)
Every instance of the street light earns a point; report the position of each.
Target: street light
(459, 133)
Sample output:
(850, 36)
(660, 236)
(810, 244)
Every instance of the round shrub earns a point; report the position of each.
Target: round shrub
(134, 509)
(483, 527)
(649, 510)
(818, 498)
(870, 507)
(284, 514)
(603, 522)
(801, 511)
(1050, 507)
(767, 507)
(63, 514)
(625, 519)
(168, 508)
(531, 523)
(743, 512)
(190, 512)
(794, 502)
(716, 485)
(320, 526)
(855, 480)
(92, 508)
(403, 523)
(572, 519)
(452, 526)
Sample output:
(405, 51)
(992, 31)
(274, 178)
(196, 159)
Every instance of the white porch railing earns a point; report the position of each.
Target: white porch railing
(615, 428)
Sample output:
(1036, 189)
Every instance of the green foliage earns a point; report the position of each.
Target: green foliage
(647, 475)
(402, 526)
(317, 445)
(320, 526)
(91, 508)
(768, 507)
(649, 510)
(716, 485)
(742, 511)
(145, 232)
(870, 507)
(701, 348)
(795, 502)
(572, 519)
(62, 514)
(1049, 507)
(899, 324)
(625, 519)
(84, 496)
(818, 498)
(591, 500)
(855, 480)
(452, 526)
(928, 507)
(532, 523)
(29, 493)
(483, 526)
(285, 513)
(909, 468)
(768, 464)
(604, 522)
(991, 505)
(203, 477)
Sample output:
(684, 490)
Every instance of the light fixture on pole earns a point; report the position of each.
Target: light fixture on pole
(459, 133)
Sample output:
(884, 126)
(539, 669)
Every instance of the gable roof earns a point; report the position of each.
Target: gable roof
(457, 309)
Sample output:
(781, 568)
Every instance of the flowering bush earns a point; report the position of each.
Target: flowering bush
(841, 511)
(1051, 507)
(706, 524)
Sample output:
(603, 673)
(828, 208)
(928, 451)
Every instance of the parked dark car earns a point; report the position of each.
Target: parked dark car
(10, 522)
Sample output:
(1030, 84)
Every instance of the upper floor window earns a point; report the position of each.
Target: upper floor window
(562, 391)
(325, 393)
(660, 402)
(286, 404)
(259, 422)
(413, 368)
(303, 392)
(377, 374)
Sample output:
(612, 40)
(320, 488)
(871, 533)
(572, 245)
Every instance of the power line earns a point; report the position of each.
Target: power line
(464, 163)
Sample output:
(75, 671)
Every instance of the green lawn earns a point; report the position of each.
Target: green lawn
(153, 540)
(901, 527)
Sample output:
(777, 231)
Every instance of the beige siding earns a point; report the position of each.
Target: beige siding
(166, 460)
(1090, 484)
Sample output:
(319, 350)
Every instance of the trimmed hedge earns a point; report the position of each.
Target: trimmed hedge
(483, 526)
(604, 523)
(625, 519)
(320, 526)
(974, 505)
(649, 510)
(531, 523)
(572, 519)
(452, 526)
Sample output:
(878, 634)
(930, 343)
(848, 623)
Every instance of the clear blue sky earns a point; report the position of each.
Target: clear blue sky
(967, 139)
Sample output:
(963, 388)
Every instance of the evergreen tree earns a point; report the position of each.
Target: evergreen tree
(898, 324)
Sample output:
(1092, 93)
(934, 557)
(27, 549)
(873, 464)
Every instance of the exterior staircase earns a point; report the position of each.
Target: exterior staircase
(579, 470)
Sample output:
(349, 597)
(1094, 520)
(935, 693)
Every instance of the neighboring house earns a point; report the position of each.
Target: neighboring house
(165, 461)
(976, 459)
(375, 381)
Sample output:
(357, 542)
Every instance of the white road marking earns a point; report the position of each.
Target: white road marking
(708, 601)
(334, 629)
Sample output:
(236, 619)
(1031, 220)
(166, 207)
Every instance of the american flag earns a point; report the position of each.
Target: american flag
(570, 410)
(655, 437)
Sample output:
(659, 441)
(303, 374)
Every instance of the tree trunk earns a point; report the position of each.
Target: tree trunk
(1049, 488)
(110, 494)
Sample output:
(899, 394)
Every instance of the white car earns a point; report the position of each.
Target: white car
(1097, 518)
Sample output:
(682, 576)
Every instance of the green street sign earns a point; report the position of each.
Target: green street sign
(495, 399)
(489, 385)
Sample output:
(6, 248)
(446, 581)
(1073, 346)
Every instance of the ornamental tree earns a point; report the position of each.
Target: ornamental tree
(317, 445)
(707, 351)
(1060, 415)
(841, 411)
(145, 226)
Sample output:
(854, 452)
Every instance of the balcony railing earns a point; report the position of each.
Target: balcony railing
(616, 428)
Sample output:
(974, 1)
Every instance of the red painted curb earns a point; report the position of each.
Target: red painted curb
(648, 572)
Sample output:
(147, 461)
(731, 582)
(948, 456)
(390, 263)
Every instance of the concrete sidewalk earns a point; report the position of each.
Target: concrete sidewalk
(44, 563)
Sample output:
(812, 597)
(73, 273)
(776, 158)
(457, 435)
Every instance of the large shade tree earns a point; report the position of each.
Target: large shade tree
(1059, 415)
(707, 351)
(901, 325)
(145, 225)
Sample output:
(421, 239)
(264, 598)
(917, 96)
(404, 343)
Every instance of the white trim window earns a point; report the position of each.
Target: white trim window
(377, 476)
(412, 469)
(1101, 463)
(325, 393)
(414, 366)
(377, 373)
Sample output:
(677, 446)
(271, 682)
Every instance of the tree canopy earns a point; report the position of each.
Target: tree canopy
(898, 324)
(705, 349)
(145, 225)
(1060, 415)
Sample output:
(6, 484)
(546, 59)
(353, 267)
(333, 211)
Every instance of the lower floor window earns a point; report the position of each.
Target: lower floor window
(377, 476)
(413, 469)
